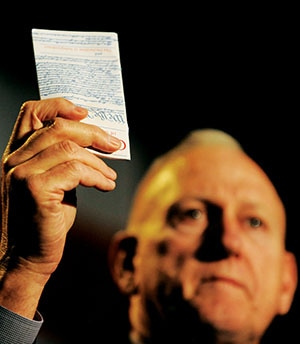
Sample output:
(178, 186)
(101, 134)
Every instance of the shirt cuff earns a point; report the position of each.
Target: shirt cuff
(15, 329)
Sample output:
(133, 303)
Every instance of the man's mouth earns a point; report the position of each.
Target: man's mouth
(222, 279)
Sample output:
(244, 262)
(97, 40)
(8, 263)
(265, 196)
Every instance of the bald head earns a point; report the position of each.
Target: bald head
(203, 155)
(208, 137)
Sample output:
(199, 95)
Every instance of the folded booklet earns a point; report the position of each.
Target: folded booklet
(85, 68)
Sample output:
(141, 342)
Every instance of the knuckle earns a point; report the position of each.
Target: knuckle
(16, 173)
(57, 124)
(26, 106)
(69, 147)
(34, 184)
(74, 167)
(58, 127)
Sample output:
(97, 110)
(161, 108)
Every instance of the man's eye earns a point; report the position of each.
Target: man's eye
(255, 222)
(188, 217)
(193, 213)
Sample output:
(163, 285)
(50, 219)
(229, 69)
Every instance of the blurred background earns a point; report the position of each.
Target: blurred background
(232, 68)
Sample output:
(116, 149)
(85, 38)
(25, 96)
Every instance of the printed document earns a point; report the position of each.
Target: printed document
(85, 68)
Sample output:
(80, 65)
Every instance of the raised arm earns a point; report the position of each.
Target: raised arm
(44, 161)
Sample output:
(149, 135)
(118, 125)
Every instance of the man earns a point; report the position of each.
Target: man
(203, 258)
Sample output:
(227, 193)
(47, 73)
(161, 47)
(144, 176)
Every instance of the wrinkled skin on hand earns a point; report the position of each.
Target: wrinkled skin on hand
(44, 161)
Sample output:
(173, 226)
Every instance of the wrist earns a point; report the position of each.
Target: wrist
(21, 288)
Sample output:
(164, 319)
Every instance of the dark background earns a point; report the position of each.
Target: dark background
(184, 67)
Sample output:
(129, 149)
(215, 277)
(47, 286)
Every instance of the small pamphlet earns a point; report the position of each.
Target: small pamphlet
(85, 68)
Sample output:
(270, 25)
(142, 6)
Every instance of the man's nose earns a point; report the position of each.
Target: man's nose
(221, 238)
(231, 236)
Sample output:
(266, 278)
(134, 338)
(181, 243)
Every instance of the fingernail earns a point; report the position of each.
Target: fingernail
(81, 110)
(114, 141)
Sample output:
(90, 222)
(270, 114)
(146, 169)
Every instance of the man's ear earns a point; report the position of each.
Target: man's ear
(289, 282)
(120, 259)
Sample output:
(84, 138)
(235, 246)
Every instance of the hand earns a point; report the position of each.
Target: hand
(44, 161)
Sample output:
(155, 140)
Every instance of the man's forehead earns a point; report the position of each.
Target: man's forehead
(223, 170)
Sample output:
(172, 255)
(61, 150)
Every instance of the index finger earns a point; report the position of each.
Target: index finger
(34, 113)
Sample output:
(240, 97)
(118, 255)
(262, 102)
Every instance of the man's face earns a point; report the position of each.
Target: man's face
(216, 244)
